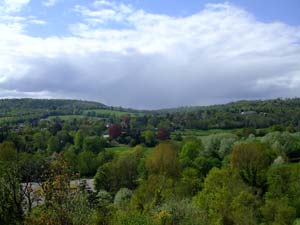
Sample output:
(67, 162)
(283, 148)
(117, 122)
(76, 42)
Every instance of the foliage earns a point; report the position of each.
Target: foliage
(220, 198)
(153, 192)
(87, 163)
(179, 212)
(251, 161)
(278, 211)
(150, 139)
(163, 134)
(121, 172)
(190, 181)
(226, 164)
(8, 151)
(131, 218)
(93, 144)
(62, 204)
(164, 161)
(114, 131)
(122, 198)
(189, 151)
(103, 211)
(11, 211)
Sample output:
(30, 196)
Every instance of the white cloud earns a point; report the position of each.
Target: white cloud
(290, 80)
(12, 6)
(50, 3)
(37, 21)
(104, 3)
(147, 60)
(10, 21)
(40, 94)
(103, 12)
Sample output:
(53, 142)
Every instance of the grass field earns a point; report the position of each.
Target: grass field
(124, 149)
(68, 117)
(110, 112)
(119, 149)
(193, 132)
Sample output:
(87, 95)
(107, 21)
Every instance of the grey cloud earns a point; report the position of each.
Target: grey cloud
(149, 81)
(152, 67)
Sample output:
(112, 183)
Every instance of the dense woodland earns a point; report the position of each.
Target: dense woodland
(232, 164)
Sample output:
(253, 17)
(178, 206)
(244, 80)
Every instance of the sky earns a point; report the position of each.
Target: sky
(150, 54)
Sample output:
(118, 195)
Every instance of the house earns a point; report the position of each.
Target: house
(106, 136)
(248, 112)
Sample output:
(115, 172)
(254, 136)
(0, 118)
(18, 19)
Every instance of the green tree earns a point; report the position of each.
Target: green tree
(219, 145)
(78, 140)
(218, 196)
(87, 163)
(31, 168)
(153, 192)
(278, 211)
(179, 212)
(103, 211)
(11, 211)
(163, 160)
(284, 182)
(251, 161)
(71, 158)
(191, 181)
(40, 140)
(101, 179)
(244, 209)
(131, 218)
(53, 144)
(8, 151)
(205, 164)
(63, 204)
(64, 138)
(120, 172)
(93, 144)
(150, 138)
(288, 144)
(190, 150)
(122, 198)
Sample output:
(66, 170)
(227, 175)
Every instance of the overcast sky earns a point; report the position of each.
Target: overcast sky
(150, 54)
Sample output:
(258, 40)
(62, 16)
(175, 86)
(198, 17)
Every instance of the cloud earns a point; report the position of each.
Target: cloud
(10, 20)
(12, 6)
(120, 55)
(104, 12)
(50, 3)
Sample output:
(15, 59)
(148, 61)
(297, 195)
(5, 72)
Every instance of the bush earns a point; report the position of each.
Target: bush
(122, 198)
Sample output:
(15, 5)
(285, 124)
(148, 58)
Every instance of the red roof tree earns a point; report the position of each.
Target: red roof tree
(114, 131)
(163, 134)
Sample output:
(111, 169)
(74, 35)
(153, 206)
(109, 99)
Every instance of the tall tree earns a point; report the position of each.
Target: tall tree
(251, 161)
(164, 160)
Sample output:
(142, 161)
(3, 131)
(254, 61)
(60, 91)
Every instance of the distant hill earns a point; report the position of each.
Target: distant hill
(256, 113)
(8, 105)
(19, 110)
(240, 114)
(240, 106)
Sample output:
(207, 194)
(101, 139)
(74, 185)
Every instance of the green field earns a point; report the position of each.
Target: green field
(125, 149)
(110, 112)
(119, 149)
(201, 133)
(67, 117)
